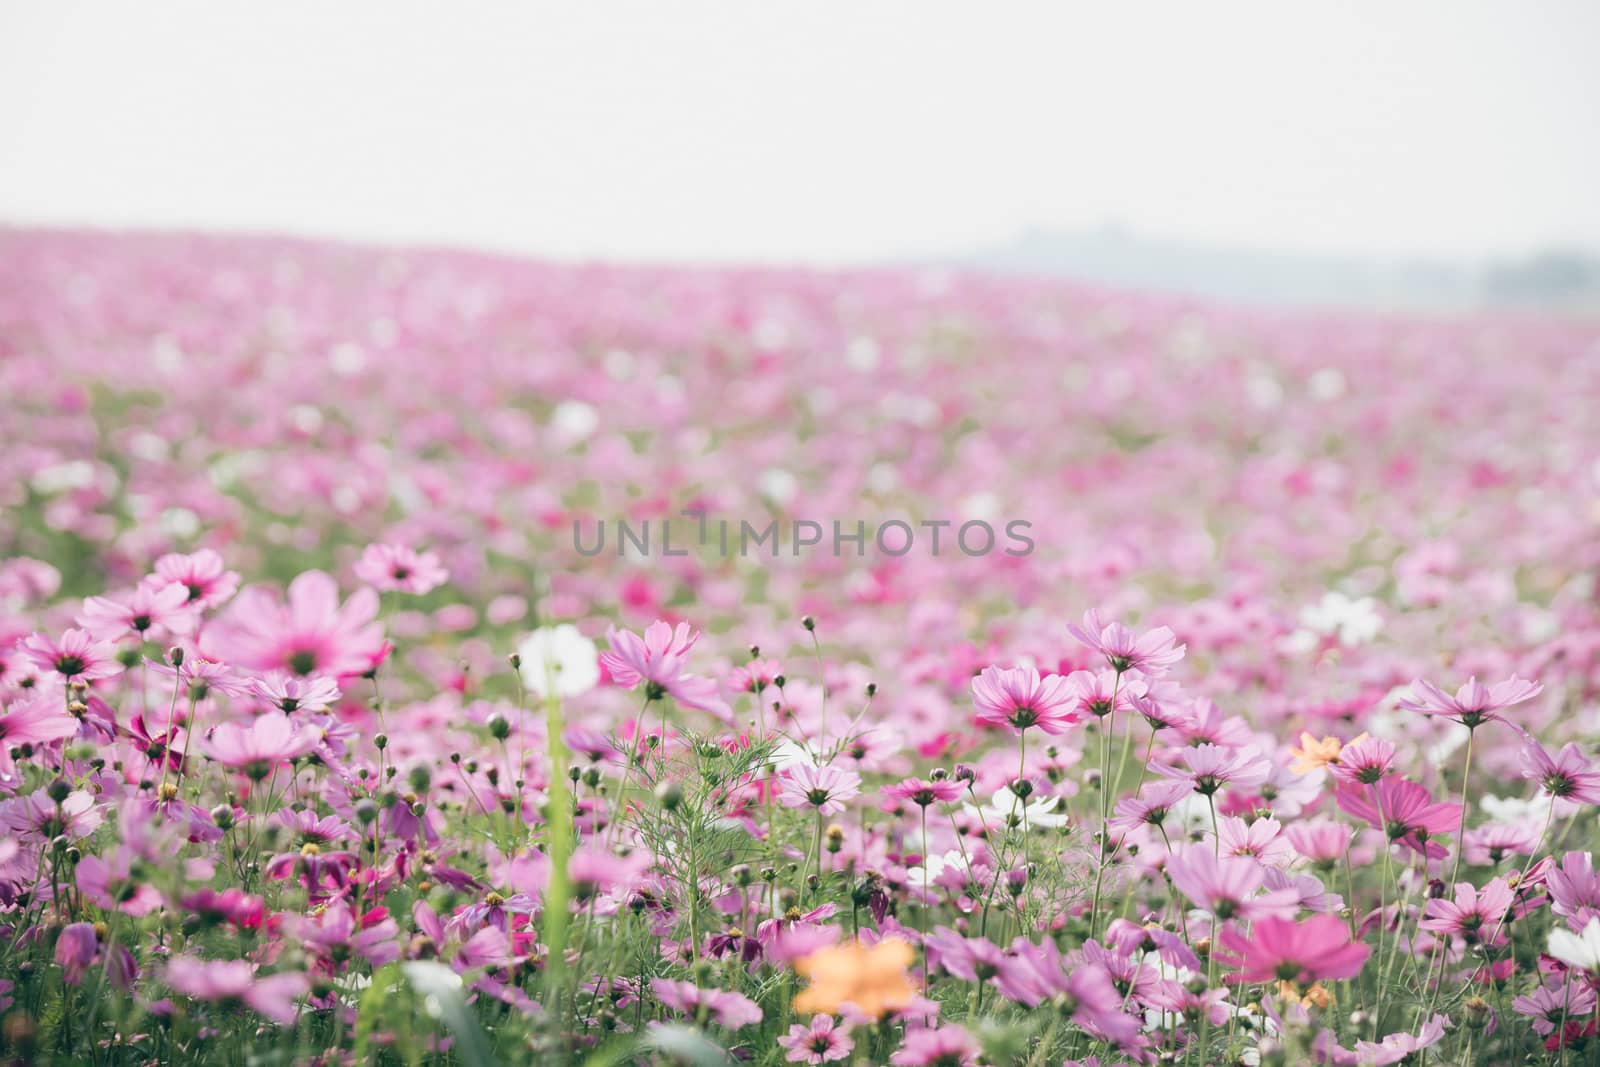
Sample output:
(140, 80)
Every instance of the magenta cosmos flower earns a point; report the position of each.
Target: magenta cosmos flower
(1474, 703)
(1276, 949)
(1152, 652)
(1018, 697)
(268, 742)
(922, 793)
(399, 569)
(827, 789)
(1403, 810)
(657, 660)
(310, 633)
(78, 656)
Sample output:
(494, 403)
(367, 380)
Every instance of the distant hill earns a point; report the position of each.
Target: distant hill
(1557, 278)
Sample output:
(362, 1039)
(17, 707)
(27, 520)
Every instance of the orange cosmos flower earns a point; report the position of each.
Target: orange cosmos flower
(873, 979)
(1313, 754)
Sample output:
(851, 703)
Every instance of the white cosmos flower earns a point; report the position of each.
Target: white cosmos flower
(1353, 622)
(1006, 805)
(1578, 950)
(559, 660)
(925, 876)
(788, 753)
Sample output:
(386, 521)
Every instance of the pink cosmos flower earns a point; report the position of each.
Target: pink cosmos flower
(273, 996)
(944, 1046)
(1568, 776)
(1279, 949)
(823, 1041)
(1364, 762)
(148, 612)
(270, 741)
(658, 660)
(1474, 703)
(1548, 1005)
(1260, 839)
(1228, 886)
(75, 817)
(1149, 807)
(79, 655)
(76, 949)
(1489, 844)
(594, 869)
(34, 720)
(1034, 973)
(827, 789)
(203, 575)
(1019, 698)
(1207, 768)
(289, 693)
(201, 675)
(400, 569)
(1152, 653)
(728, 1009)
(312, 633)
(1574, 889)
(1321, 841)
(1472, 912)
(1401, 1047)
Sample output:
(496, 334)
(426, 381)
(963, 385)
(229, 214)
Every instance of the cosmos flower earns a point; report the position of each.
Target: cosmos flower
(1019, 698)
(1228, 886)
(873, 980)
(1312, 754)
(942, 1046)
(1474, 703)
(559, 660)
(311, 633)
(400, 569)
(1567, 776)
(36, 719)
(1280, 949)
(827, 788)
(273, 996)
(923, 793)
(1007, 810)
(77, 656)
(203, 575)
(721, 1006)
(1403, 810)
(149, 612)
(1578, 950)
(1207, 768)
(657, 660)
(269, 741)
(1471, 912)
(823, 1041)
(1151, 653)
(290, 693)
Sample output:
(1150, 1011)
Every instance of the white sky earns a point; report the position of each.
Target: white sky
(820, 132)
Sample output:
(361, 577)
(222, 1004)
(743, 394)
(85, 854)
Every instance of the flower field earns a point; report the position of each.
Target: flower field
(412, 656)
